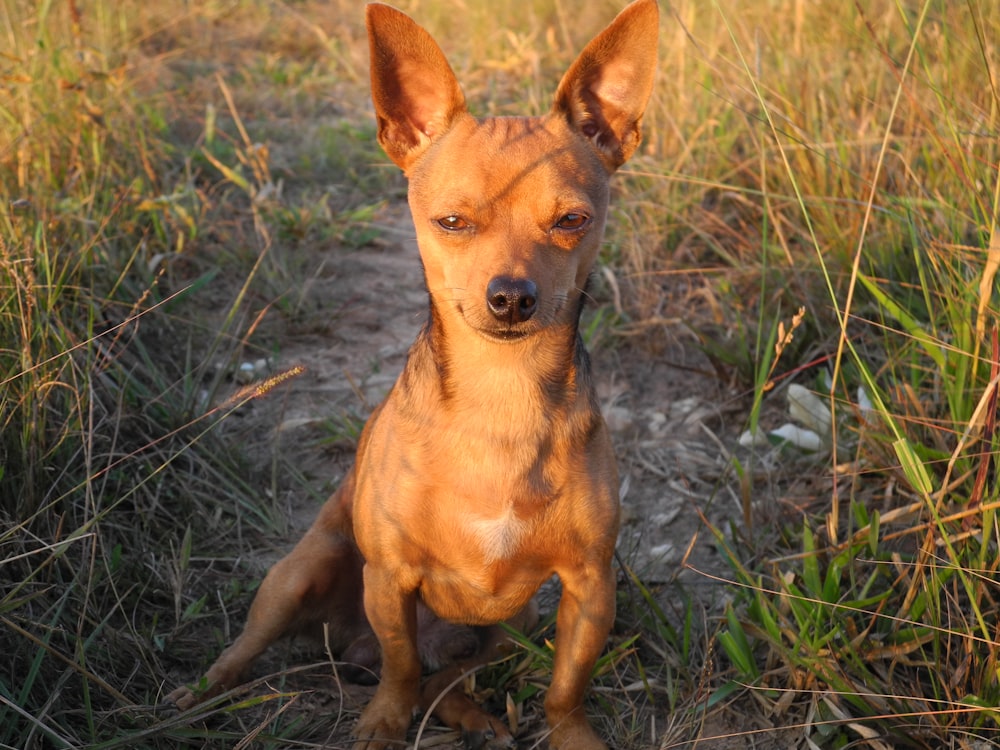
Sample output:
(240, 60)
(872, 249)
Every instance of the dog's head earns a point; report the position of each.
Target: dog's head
(509, 212)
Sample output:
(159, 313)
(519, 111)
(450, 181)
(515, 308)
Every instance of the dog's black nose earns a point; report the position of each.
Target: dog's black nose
(511, 300)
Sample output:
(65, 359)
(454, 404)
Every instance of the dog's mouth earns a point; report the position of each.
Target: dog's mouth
(503, 332)
(506, 335)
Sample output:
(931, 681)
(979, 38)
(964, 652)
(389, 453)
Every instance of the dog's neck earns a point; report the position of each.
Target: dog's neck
(521, 397)
(527, 400)
(542, 366)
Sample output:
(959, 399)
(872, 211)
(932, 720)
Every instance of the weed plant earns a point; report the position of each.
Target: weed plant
(836, 157)
(874, 181)
(109, 470)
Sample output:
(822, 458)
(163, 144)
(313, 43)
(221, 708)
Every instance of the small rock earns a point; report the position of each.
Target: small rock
(245, 374)
(618, 418)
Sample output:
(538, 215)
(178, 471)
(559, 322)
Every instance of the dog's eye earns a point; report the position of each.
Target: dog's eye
(572, 221)
(453, 223)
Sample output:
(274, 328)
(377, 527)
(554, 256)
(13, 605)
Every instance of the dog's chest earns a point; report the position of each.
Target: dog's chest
(495, 537)
(491, 570)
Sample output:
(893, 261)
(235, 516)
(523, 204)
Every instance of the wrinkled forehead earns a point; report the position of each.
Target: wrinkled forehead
(510, 157)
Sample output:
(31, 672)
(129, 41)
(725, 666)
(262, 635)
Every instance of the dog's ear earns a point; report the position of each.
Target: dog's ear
(604, 93)
(415, 92)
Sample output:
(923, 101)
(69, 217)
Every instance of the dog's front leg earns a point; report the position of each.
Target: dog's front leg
(392, 612)
(586, 614)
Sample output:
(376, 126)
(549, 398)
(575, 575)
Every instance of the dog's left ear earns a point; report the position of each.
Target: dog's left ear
(416, 95)
(604, 93)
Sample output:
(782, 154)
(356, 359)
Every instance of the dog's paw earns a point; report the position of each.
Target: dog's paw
(188, 696)
(493, 735)
(381, 729)
(183, 697)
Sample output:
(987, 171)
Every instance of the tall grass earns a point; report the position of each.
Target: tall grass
(868, 195)
(108, 470)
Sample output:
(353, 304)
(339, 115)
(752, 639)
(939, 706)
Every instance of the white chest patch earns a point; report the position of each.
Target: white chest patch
(499, 537)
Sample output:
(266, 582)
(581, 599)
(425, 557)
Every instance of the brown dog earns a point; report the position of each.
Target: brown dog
(488, 467)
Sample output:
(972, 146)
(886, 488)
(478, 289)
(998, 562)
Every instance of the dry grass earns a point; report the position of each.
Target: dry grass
(835, 156)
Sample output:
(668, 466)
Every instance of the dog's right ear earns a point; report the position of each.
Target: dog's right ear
(604, 93)
(416, 95)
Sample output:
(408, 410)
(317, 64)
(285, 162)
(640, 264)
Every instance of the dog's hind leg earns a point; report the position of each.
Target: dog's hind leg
(319, 580)
(480, 730)
(441, 692)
